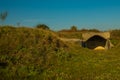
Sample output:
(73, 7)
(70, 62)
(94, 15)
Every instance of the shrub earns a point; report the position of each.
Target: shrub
(42, 26)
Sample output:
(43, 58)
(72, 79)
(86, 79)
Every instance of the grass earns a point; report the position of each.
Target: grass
(37, 54)
(70, 34)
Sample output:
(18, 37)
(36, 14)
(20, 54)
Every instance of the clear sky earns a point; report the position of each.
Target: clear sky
(62, 14)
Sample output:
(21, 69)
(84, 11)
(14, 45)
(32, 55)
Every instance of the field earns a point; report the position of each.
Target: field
(37, 54)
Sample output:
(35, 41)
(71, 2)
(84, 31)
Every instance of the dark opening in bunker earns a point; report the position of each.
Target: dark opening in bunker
(95, 41)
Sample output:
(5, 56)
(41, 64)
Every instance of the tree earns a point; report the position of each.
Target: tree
(42, 26)
(3, 16)
(74, 28)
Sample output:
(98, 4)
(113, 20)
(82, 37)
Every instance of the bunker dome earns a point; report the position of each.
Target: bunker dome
(92, 40)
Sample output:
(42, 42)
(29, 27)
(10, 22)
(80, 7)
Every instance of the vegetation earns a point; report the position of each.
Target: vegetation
(67, 34)
(42, 26)
(74, 32)
(38, 54)
(115, 37)
(3, 16)
(73, 28)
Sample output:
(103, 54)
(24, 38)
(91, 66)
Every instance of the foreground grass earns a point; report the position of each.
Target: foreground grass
(35, 54)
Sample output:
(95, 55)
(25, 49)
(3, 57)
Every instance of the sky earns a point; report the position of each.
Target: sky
(62, 14)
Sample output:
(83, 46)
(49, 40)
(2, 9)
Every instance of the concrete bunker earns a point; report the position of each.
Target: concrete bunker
(92, 40)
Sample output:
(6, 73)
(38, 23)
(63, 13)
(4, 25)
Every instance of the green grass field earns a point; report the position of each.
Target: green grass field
(37, 54)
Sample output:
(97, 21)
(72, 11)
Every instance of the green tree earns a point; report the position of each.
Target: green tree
(3, 16)
(42, 26)
(74, 28)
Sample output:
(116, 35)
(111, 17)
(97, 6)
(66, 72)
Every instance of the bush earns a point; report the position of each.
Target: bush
(42, 26)
(73, 28)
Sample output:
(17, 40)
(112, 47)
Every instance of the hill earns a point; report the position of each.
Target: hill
(23, 50)
(37, 54)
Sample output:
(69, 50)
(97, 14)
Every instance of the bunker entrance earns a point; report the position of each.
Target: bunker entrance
(95, 41)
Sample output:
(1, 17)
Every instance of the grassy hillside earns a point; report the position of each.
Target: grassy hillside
(74, 34)
(36, 54)
(70, 34)
(26, 51)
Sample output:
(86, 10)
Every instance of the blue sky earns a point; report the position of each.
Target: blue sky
(62, 14)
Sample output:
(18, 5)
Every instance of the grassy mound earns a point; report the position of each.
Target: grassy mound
(36, 54)
(27, 51)
(14, 40)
